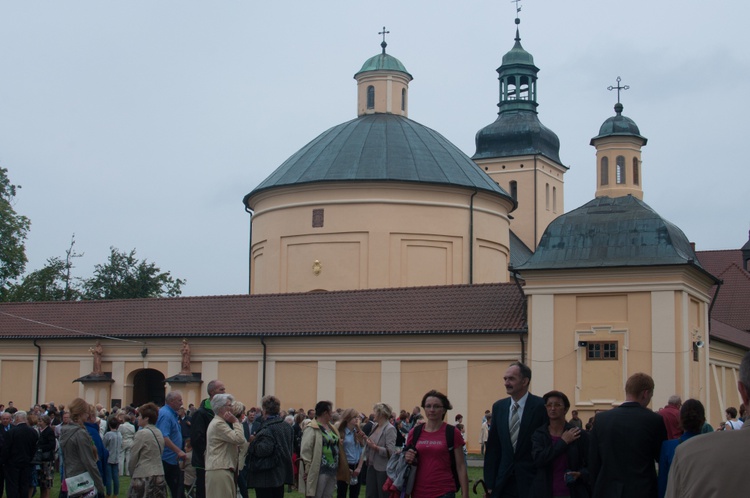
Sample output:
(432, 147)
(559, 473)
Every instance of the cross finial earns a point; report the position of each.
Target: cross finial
(618, 88)
(384, 32)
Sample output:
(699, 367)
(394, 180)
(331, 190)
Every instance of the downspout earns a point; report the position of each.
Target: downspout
(250, 254)
(38, 369)
(471, 237)
(263, 386)
(525, 315)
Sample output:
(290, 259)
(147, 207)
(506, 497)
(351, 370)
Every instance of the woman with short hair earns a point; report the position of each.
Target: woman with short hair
(320, 455)
(145, 467)
(275, 453)
(77, 446)
(692, 418)
(225, 439)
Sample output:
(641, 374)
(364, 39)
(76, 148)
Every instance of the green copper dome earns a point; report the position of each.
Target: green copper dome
(611, 232)
(383, 62)
(380, 148)
(619, 125)
(517, 55)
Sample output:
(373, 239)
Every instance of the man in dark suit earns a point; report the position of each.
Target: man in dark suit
(18, 450)
(626, 443)
(5, 419)
(508, 466)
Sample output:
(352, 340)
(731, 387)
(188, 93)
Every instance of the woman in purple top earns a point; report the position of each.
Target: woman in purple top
(560, 453)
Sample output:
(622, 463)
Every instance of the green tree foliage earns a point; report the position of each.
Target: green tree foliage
(13, 230)
(53, 282)
(123, 276)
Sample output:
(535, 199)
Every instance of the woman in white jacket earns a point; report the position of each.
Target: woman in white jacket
(225, 440)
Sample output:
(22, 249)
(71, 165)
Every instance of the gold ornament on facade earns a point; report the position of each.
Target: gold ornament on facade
(317, 268)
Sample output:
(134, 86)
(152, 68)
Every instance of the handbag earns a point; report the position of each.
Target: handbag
(42, 456)
(79, 485)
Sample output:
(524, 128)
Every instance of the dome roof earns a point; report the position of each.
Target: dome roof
(517, 55)
(611, 232)
(619, 125)
(383, 62)
(517, 133)
(380, 147)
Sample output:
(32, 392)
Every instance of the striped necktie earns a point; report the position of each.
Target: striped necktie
(515, 423)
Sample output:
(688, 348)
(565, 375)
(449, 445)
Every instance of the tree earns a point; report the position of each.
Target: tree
(13, 230)
(53, 282)
(123, 276)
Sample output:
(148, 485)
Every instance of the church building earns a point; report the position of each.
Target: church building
(385, 262)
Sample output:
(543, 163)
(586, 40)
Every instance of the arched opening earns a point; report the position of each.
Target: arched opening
(403, 99)
(620, 170)
(636, 176)
(148, 385)
(604, 171)
(371, 97)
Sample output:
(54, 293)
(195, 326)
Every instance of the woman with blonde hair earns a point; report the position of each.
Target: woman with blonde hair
(77, 446)
(225, 440)
(380, 446)
(145, 467)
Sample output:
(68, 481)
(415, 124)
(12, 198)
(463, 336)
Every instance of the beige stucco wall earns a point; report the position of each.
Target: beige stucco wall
(388, 86)
(654, 315)
(375, 236)
(540, 192)
(723, 376)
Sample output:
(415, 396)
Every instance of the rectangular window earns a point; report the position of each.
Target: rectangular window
(317, 218)
(601, 350)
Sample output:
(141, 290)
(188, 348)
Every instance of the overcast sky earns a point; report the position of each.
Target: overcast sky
(142, 124)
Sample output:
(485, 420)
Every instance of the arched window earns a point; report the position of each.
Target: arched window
(371, 97)
(403, 99)
(620, 170)
(514, 190)
(636, 176)
(604, 171)
(554, 199)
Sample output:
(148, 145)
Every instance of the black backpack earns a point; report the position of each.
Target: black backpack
(450, 440)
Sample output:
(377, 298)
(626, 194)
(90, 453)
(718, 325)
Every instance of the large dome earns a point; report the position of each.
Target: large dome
(380, 147)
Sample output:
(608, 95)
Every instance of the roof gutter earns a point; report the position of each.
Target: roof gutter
(525, 315)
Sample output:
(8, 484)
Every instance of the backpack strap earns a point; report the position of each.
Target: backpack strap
(450, 439)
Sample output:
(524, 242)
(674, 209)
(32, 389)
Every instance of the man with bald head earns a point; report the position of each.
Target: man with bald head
(198, 431)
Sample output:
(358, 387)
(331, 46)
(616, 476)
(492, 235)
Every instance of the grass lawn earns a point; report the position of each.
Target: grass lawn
(475, 473)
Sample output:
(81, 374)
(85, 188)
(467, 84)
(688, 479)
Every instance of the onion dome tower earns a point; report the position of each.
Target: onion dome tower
(379, 201)
(519, 152)
(618, 154)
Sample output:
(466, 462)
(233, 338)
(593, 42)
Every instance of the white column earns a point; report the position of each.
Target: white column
(327, 381)
(542, 342)
(458, 387)
(663, 364)
(390, 382)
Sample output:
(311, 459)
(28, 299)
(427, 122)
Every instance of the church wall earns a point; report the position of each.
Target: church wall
(296, 383)
(239, 379)
(653, 325)
(59, 386)
(724, 360)
(375, 237)
(611, 147)
(540, 190)
(17, 382)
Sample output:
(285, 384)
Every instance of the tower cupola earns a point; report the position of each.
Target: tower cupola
(618, 154)
(383, 84)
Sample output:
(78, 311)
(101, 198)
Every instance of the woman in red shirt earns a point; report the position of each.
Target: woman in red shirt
(431, 455)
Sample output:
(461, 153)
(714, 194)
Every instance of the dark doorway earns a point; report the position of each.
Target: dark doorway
(148, 385)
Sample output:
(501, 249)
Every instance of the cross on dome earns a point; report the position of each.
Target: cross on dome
(384, 32)
(618, 88)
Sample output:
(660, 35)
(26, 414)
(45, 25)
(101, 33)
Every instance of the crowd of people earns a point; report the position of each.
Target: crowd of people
(220, 448)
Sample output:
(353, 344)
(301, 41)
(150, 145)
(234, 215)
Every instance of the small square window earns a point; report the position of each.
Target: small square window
(601, 350)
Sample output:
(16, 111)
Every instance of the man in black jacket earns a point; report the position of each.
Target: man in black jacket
(5, 426)
(198, 431)
(18, 450)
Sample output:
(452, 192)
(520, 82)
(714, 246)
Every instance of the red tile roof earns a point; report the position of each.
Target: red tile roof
(487, 308)
(732, 305)
(727, 333)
